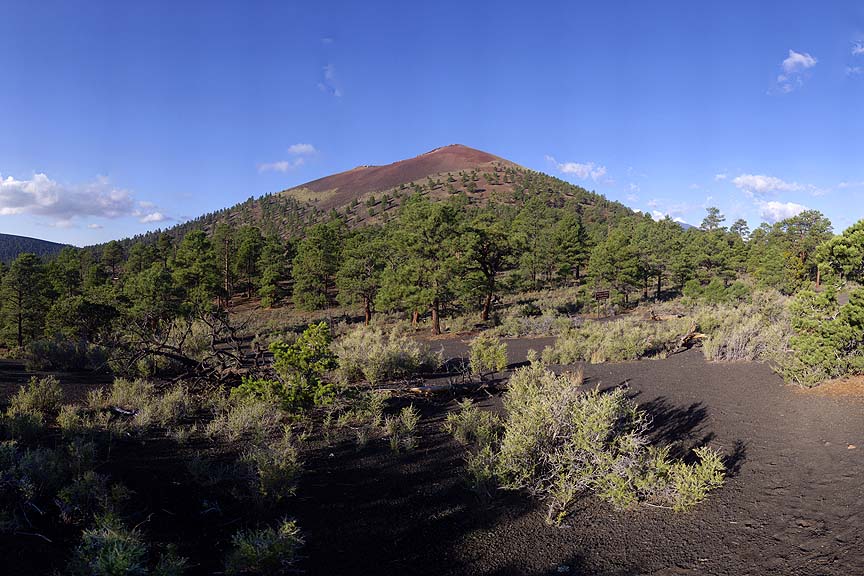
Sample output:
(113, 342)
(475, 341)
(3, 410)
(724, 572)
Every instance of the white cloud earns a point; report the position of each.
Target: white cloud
(762, 185)
(794, 68)
(719, 177)
(95, 226)
(63, 203)
(775, 211)
(153, 217)
(854, 70)
(300, 149)
(281, 165)
(844, 185)
(634, 187)
(582, 171)
(858, 48)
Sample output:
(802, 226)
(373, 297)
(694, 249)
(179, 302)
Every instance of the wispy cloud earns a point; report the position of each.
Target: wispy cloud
(858, 48)
(580, 170)
(63, 203)
(301, 149)
(794, 68)
(720, 177)
(774, 211)
(329, 83)
(854, 70)
(298, 152)
(762, 185)
(844, 185)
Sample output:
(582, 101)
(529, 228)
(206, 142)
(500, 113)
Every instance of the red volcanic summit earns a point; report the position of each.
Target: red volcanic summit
(340, 189)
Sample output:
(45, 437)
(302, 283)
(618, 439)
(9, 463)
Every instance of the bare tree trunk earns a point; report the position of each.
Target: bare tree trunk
(367, 311)
(436, 319)
(415, 318)
(487, 306)
(659, 285)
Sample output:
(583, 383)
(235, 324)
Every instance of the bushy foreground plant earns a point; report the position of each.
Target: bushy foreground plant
(40, 397)
(559, 442)
(401, 429)
(367, 353)
(111, 549)
(266, 550)
(301, 366)
(487, 354)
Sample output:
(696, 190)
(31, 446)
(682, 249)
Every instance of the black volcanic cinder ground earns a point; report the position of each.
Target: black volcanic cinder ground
(794, 504)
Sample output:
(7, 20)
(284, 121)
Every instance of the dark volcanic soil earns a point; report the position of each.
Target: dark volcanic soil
(793, 503)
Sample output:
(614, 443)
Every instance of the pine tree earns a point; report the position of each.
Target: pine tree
(318, 258)
(24, 300)
(364, 258)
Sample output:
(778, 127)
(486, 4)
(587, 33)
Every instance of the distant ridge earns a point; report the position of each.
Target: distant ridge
(11, 246)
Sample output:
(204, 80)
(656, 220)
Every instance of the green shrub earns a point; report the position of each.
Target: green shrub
(63, 355)
(131, 394)
(264, 550)
(487, 354)
(85, 496)
(40, 397)
(470, 425)
(367, 353)
(109, 549)
(244, 422)
(827, 340)
(275, 467)
(401, 429)
(301, 366)
(617, 341)
(166, 409)
(560, 442)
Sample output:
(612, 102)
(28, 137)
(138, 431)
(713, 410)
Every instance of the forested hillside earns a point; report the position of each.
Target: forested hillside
(11, 246)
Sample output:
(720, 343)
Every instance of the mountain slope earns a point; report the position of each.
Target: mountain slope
(373, 194)
(11, 246)
(340, 189)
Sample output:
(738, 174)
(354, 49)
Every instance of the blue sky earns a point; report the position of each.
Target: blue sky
(120, 117)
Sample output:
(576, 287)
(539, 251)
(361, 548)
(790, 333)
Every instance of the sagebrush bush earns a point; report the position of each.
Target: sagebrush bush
(368, 354)
(401, 429)
(559, 442)
(486, 354)
(275, 467)
(64, 355)
(244, 422)
(470, 425)
(617, 341)
(264, 550)
(40, 397)
(111, 549)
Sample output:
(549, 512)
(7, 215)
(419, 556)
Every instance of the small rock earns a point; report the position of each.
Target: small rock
(563, 569)
(851, 447)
